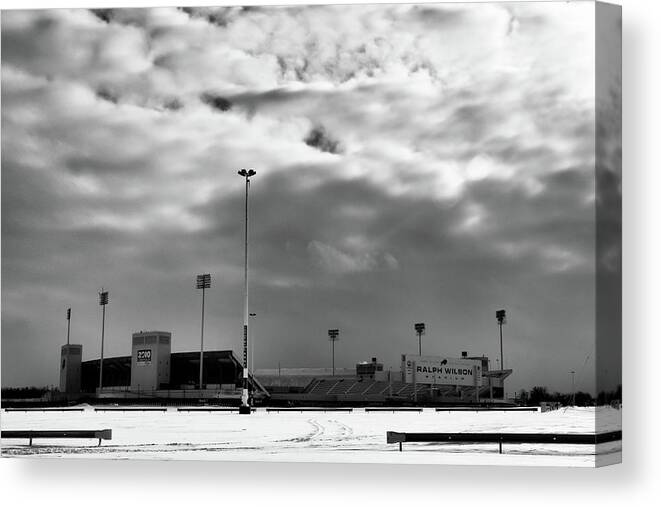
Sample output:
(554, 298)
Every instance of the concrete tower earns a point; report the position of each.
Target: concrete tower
(70, 368)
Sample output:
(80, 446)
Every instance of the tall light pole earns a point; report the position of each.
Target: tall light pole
(420, 329)
(252, 346)
(203, 282)
(573, 388)
(500, 315)
(333, 336)
(103, 301)
(68, 323)
(245, 406)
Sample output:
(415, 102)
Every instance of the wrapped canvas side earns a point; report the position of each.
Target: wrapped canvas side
(608, 160)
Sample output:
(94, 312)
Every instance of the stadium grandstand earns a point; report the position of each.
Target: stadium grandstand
(153, 374)
(365, 385)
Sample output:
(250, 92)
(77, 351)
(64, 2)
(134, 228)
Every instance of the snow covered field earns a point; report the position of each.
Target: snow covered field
(358, 436)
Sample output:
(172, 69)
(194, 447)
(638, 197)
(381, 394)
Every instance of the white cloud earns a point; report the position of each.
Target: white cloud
(336, 261)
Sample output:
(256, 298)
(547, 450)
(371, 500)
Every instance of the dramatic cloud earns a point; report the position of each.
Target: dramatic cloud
(216, 102)
(413, 163)
(320, 139)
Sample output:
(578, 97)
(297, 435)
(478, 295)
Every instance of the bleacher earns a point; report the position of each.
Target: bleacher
(350, 389)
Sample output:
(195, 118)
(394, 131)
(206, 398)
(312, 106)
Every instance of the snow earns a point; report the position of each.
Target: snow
(356, 436)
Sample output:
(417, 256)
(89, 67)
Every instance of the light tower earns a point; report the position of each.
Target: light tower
(252, 346)
(333, 336)
(500, 315)
(420, 329)
(245, 406)
(203, 282)
(103, 301)
(68, 323)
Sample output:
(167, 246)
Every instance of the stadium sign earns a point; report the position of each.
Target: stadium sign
(437, 370)
(143, 357)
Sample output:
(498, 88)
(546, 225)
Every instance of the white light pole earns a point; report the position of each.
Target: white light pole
(420, 329)
(333, 336)
(68, 324)
(245, 406)
(203, 282)
(251, 339)
(500, 316)
(103, 301)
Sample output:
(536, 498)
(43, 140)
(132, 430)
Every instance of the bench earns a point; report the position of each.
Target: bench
(393, 437)
(31, 434)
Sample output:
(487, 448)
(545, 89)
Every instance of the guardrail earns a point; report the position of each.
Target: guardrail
(105, 434)
(488, 409)
(131, 409)
(44, 409)
(393, 409)
(309, 409)
(209, 409)
(393, 437)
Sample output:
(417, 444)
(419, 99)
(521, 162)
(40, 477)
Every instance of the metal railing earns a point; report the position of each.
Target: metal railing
(105, 434)
(394, 437)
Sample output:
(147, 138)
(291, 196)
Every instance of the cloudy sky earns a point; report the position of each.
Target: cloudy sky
(414, 163)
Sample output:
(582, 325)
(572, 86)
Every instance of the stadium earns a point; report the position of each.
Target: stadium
(152, 373)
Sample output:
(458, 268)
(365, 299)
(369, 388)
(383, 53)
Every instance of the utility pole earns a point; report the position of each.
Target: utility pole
(103, 301)
(573, 389)
(333, 336)
(203, 282)
(245, 404)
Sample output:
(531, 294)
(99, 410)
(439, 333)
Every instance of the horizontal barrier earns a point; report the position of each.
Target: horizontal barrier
(393, 437)
(489, 409)
(309, 409)
(210, 409)
(131, 409)
(44, 409)
(391, 409)
(105, 434)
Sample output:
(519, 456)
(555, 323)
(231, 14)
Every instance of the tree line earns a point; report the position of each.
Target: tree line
(539, 394)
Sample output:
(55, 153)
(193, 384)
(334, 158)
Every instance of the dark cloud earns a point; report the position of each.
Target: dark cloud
(216, 102)
(107, 95)
(173, 104)
(218, 16)
(105, 15)
(319, 138)
(436, 16)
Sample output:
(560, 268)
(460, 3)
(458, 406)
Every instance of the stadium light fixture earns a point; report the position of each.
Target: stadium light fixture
(103, 301)
(420, 329)
(203, 282)
(333, 336)
(245, 404)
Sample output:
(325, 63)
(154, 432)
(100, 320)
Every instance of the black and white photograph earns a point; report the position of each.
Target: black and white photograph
(365, 233)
